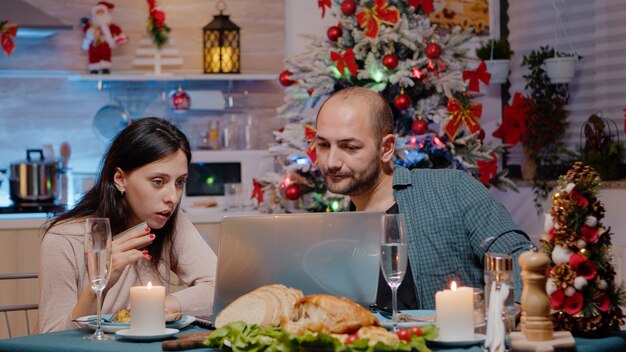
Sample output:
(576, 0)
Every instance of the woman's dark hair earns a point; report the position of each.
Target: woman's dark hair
(143, 142)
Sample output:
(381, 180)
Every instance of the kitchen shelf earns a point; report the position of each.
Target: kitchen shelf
(145, 77)
(137, 76)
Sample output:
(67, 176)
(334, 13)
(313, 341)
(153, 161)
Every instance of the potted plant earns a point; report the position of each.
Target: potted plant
(497, 55)
(545, 124)
(562, 67)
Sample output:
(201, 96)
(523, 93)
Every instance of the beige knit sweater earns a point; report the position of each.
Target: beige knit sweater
(63, 274)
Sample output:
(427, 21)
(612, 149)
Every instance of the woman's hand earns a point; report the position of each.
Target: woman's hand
(129, 249)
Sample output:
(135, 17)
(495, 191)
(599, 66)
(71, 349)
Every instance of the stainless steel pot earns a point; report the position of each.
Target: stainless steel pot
(33, 180)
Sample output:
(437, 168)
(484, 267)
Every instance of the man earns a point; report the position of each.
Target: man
(100, 36)
(450, 217)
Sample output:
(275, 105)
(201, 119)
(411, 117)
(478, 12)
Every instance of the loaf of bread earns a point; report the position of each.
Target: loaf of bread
(265, 306)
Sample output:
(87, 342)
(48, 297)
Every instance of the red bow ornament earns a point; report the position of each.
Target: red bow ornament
(488, 169)
(480, 74)
(462, 115)
(257, 192)
(309, 136)
(322, 4)
(513, 126)
(345, 60)
(370, 19)
(8, 31)
(427, 5)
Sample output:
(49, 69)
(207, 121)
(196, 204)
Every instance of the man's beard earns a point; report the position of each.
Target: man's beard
(356, 186)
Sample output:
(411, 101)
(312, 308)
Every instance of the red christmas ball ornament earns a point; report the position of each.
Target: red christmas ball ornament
(433, 51)
(310, 91)
(285, 78)
(419, 126)
(180, 101)
(390, 61)
(334, 33)
(402, 102)
(293, 192)
(348, 7)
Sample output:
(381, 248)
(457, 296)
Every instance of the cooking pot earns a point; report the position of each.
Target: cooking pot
(34, 179)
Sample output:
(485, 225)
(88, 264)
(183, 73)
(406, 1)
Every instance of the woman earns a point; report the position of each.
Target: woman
(142, 179)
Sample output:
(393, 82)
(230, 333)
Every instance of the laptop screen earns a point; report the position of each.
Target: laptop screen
(333, 253)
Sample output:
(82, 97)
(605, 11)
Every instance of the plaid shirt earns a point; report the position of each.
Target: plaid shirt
(449, 214)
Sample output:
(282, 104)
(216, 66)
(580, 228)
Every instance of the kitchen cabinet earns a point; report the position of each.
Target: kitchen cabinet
(19, 253)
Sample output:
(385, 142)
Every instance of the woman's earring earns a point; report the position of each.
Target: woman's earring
(122, 192)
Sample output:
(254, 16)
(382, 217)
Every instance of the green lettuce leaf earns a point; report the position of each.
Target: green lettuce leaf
(240, 337)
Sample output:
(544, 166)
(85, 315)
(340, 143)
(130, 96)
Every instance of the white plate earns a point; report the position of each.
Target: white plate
(387, 323)
(478, 338)
(111, 328)
(125, 333)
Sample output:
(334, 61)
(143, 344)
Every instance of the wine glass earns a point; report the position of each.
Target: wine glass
(393, 257)
(98, 244)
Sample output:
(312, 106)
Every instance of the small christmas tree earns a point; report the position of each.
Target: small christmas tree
(390, 47)
(583, 294)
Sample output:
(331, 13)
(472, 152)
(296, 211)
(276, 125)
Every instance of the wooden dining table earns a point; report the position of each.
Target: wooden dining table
(72, 340)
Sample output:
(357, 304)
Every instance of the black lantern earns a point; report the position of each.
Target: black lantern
(221, 44)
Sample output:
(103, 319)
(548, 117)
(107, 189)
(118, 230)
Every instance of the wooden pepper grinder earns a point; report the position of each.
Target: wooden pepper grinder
(536, 323)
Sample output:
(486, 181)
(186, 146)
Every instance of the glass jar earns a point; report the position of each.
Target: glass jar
(499, 272)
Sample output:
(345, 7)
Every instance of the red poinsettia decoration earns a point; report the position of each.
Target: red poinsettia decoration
(345, 60)
(573, 304)
(476, 76)
(557, 299)
(581, 201)
(575, 260)
(156, 24)
(460, 115)
(589, 234)
(427, 5)
(257, 192)
(323, 4)
(309, 137)
(8, 31)
(488, 169)
(371, 18)
(513, 127)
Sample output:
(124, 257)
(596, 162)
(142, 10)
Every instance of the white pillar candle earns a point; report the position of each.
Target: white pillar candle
(455, 313)
(147, 306)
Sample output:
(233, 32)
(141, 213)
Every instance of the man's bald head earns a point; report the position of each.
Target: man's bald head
(380, 114)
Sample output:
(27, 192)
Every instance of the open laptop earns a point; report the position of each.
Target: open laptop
(333, 253)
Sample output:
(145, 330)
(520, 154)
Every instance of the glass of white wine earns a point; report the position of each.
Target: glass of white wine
(393, 257)
(98, 244)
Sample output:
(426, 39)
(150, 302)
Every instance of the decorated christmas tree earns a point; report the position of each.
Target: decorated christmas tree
(584, 296)
(392, 48)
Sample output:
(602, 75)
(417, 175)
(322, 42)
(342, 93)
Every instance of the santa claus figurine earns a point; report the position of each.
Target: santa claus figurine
(100, 37)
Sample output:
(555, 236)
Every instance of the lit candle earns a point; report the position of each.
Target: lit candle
(221, 58)
(147, 304)
(455, 313)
